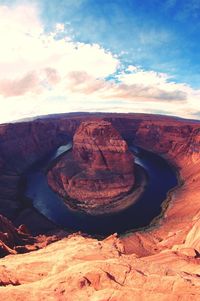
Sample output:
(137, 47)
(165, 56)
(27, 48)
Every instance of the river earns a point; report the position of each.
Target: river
(161, 178)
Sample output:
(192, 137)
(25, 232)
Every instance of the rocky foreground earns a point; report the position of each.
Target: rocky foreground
(98, 172)
(160, 263)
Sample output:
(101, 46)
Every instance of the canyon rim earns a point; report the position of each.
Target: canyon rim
(44, 262)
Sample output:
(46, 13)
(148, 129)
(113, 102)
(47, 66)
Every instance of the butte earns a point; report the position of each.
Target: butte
(98, 174)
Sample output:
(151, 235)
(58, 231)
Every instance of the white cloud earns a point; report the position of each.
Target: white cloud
(60, 27)
(45, 73)
(139, 76)
(140, 85)
(25, 47)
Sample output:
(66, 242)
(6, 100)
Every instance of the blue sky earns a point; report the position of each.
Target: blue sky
(113, 55)
(157, 35)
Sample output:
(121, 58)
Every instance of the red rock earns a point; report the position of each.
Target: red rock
(100, 170)
(78, 268)
(10, 237)
(13, 240)
(190, 252)
(98, 146)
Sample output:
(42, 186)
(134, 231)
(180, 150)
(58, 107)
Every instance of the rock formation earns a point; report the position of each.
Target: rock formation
(99, 171)
(78, 268)
(97, 146)
(19, 240)
(10, 237)
(161, 263)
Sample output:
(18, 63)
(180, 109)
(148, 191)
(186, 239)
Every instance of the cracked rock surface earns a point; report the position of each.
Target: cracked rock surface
(78, 268)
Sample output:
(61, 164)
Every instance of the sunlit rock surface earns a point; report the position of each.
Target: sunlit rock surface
(161, 263)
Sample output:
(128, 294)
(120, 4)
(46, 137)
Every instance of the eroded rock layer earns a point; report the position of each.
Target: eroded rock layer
(98, 146)
(99, 170)
(19, 240)
(159, 264)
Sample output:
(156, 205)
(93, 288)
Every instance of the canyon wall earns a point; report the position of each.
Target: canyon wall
(22, 144)
(158, 263)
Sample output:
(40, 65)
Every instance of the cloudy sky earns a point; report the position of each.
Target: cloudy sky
(89, 55)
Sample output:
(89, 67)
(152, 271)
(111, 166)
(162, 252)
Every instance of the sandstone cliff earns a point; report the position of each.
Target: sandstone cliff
(161, 263)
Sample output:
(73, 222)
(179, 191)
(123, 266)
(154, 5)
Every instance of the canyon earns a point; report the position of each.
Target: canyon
(160, 262)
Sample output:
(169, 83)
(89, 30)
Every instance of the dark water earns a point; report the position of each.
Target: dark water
(161, 178)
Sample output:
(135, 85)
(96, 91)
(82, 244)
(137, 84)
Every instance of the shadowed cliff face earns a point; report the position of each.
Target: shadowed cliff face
(10, 237)
(21, 145)
(99, 171)
(159, 264)
(18, 240)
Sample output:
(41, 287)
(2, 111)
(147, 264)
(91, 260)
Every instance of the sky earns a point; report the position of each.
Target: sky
(96, 55)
